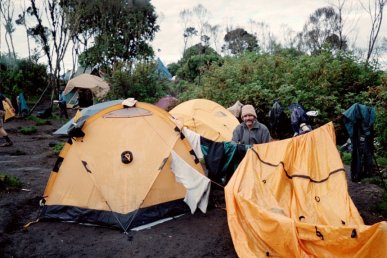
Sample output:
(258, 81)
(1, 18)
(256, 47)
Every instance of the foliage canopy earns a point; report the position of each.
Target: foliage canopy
(121, 30)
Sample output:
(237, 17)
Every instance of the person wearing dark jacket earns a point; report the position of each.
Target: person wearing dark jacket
(3, 133)
(250, 131)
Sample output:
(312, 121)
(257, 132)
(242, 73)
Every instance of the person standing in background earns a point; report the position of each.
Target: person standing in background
(3, 133)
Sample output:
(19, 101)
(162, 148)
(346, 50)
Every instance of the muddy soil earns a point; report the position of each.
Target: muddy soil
(199, 235)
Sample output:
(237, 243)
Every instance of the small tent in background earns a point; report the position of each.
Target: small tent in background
(207, 118)
(125, 170)
(87, 70)
(85, 82)
(67, 75)
(289, 198)
(166, 102)
(162, 70)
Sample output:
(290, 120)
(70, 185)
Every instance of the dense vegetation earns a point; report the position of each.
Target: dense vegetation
(329, 83)
(325, 82)
(22, 75)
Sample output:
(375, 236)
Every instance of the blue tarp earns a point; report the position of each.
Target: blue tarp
(22, 105)
(163, 70)
(86, 112)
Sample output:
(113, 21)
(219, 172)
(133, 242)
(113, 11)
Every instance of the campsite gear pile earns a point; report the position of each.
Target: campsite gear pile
(167, 102)
(299, 119)
(279, 123)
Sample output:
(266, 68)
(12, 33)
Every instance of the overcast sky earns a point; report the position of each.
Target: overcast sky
(275, 13)
(169, 43)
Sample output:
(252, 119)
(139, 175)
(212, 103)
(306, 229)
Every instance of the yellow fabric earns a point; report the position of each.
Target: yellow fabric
(289, 198)
(77, 115)
(207, 118)
(8, 111)
(110, 184)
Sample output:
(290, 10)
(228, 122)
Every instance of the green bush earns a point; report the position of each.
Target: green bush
(324, 82)
(9, 182)
(28, 130)
(382, 206)
(58, 147)
(22, 75)
(346, 157)
(143, 83)
(378, 98)
(39, 121)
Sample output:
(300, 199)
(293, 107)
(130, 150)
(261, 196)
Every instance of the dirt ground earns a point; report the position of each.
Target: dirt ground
(199, 235)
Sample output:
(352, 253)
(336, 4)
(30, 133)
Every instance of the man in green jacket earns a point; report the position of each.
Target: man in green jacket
(250, 131)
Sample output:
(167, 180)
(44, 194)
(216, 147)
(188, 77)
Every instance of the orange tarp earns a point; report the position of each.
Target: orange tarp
(290, 198)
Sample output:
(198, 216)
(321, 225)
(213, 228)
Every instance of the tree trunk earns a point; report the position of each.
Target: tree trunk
(50, 83)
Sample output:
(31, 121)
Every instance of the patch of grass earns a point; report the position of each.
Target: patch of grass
(346, 157)
(56, 117)
(39, 121)
(58, 147)
(382, 161)
(28, 130)
(377, 179)
(9, 182)
(381, 207)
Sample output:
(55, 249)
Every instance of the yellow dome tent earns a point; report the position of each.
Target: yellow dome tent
(289, 198)
(119, 173)
(207, 118)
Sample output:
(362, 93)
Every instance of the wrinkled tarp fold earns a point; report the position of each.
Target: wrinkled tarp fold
(290, 198)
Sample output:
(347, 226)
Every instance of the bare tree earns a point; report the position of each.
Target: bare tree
(185, 17)
(289, 37)
(7, 11)
(375, 12)
(322, 27)
(261, 31)
(54, 39)
(339, 6)
(188, 34)
(213, 31)
(202, 15)
(21, 20)
(383, 51)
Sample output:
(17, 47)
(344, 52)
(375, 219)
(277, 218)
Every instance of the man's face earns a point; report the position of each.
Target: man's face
(248, 119)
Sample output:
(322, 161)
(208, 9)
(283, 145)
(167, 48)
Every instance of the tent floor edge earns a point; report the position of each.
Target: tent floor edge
(141, 217)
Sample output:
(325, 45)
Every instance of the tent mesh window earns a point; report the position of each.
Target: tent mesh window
(128, 112)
